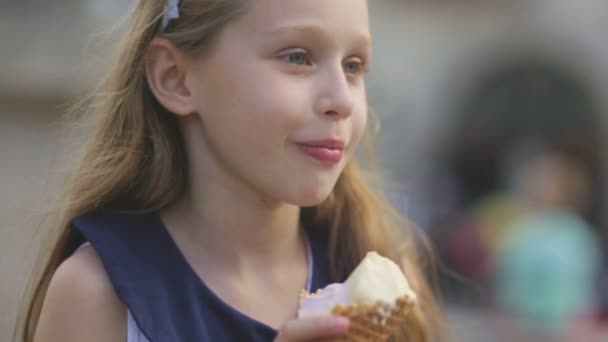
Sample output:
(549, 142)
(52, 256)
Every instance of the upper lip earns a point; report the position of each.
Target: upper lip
(331, 144)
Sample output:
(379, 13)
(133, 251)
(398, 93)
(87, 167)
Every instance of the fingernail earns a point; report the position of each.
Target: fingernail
(340, 323)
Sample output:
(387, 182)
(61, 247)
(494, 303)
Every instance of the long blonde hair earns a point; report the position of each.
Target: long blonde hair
(135, 160)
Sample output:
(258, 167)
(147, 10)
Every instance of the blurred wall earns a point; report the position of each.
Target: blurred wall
(42, 65)
(430, 56)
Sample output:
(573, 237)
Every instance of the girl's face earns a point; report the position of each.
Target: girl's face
(281, 97)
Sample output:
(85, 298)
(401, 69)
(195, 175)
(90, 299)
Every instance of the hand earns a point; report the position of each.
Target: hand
(310, 328)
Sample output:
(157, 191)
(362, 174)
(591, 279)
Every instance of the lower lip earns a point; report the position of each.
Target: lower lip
(323, 154)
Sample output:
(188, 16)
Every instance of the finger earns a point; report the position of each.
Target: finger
(313, 327)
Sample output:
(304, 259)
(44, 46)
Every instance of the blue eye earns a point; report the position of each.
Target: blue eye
(298, 58)
(354, 67)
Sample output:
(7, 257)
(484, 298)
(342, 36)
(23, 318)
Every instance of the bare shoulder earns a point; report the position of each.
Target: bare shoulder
(81, 304)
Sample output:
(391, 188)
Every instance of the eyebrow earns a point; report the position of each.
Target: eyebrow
(360, 38)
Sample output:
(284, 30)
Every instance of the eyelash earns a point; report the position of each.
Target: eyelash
(306, 61)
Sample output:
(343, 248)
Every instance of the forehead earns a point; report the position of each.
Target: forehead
(339, 17)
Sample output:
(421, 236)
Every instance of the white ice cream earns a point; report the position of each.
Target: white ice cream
(375, 278)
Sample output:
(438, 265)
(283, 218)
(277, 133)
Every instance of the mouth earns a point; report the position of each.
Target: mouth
(328, 152)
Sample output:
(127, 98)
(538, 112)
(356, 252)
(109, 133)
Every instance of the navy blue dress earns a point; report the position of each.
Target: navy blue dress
(166, 297)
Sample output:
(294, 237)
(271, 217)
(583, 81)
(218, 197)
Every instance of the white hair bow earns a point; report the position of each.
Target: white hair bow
(171, 12)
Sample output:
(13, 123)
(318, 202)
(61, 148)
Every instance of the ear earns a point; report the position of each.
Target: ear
(166, 72)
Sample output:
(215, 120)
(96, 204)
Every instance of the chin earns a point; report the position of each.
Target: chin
(310, 196)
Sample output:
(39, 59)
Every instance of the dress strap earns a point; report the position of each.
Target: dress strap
(311, 263)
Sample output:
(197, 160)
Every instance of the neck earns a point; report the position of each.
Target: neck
(226, 222)
(233, 230)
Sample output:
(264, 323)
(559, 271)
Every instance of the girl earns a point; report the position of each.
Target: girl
(219, 181)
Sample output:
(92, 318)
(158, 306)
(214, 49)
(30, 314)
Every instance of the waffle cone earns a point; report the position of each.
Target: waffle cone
(373, 323)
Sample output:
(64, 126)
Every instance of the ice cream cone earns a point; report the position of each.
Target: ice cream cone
(373, 323)
(376, 298)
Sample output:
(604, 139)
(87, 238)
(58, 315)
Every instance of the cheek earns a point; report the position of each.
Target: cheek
(253, 107)
(267, 117)
(281, 106)
(359, 121)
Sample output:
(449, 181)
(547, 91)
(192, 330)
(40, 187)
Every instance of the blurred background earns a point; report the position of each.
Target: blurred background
(493, 139)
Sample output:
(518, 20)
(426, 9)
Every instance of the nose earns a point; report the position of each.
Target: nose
(336, 95)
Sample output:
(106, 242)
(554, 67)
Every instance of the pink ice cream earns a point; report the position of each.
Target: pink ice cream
(323, 301)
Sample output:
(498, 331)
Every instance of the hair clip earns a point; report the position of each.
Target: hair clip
(171, 13)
